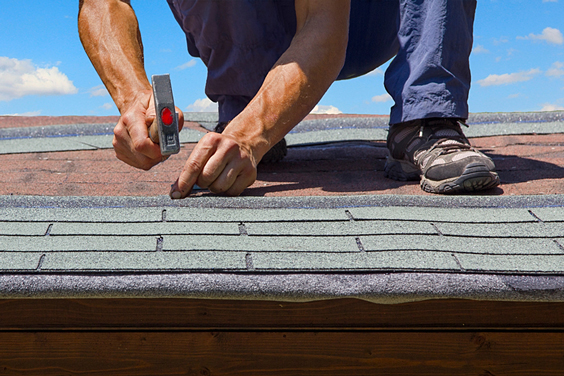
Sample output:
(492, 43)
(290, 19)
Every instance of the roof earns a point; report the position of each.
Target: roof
(322, 224)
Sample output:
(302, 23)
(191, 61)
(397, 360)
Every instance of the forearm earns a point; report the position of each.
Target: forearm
(109, 32)
(297, 81)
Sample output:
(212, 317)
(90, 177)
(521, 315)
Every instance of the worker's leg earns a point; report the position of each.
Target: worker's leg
(430, 76)
(238, 41)
(373, 29)
(429, 80)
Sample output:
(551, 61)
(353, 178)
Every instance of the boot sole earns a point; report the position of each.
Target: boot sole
(476, 177)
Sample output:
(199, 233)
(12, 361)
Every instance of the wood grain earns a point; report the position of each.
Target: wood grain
(339, 314)
(281, 353)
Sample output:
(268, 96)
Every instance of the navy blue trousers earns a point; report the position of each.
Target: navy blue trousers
(430, 40)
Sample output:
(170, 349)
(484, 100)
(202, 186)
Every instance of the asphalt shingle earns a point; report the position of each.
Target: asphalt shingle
(444, 214)
(359, 261)
(143, 261)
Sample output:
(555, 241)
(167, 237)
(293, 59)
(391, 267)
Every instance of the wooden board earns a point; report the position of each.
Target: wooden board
(341, 314)
(281, 353)
(333, 337)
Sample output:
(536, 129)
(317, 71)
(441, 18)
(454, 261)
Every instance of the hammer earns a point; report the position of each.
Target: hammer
(164, 129)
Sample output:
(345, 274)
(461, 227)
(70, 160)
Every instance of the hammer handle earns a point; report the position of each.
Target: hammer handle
(154, 131)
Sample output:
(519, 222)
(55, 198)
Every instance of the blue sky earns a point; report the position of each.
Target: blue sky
(517, 62)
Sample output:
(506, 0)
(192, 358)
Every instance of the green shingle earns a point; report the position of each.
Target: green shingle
(550, 214)
(253, 215)
(511, 263)
(82, 214)
(153, 261)
(342, 228)
(154, 229)
(23, 228)
(355, 261)
(335, 135)
(19, 261)
(460, 244)
(77, 243)
(518, 230)
(488, 215)
(259, 243)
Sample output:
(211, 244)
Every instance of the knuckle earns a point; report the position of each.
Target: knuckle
(146, 166)
(193, 165)
(140, 144)
(126, 118)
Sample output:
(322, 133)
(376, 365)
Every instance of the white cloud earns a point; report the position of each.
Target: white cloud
(549, 35)
(98, 91)
(187, 65)
(381, 98)
(107, 106)
(551, 107)
(479, 49)
(508, 78)
(19, 78)
(31, 113)
(202, 105)
(556, 70)
(376, 72)
(500, 40)
(325, 110)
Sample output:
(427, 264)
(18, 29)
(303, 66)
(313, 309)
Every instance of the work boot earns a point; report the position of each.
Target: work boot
(437, 152)
(275, 154)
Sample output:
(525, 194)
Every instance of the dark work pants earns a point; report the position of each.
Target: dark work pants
(240, 40)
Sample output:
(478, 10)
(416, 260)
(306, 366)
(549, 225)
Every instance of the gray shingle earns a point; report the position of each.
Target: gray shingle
(143, 261)
(526, 230)
(77, 243)
(407, 260)
(335, 135)
(511, 263)
(509, 128)
(82, 214)
(254, 215)
(550, 214)
(460, 244)
(485, 215)
(20, 261)
(37, 145)
(259, 243)
(73, 142)
(154, 229)
(341, 228)
(23, 228)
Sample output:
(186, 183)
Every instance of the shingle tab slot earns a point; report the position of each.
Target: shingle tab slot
(40, 262)
(535, 216)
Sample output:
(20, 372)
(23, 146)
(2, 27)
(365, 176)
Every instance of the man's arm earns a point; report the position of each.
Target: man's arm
(227, 162)
(109, 32)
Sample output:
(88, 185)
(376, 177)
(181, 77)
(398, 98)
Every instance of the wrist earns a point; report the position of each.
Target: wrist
(133, 99)
(252, 138)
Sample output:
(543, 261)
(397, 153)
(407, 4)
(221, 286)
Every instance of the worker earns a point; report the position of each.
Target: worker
(269, 63)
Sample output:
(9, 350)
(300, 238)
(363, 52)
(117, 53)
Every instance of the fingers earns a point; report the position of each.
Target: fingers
(131, 138)
(217, 163)
(180, 118)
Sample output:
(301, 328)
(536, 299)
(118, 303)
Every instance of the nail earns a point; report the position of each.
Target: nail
(176, 195)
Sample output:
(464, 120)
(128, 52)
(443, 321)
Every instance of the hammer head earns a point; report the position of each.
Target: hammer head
(164, 129)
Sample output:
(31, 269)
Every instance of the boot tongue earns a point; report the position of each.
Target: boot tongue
(446, 133)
